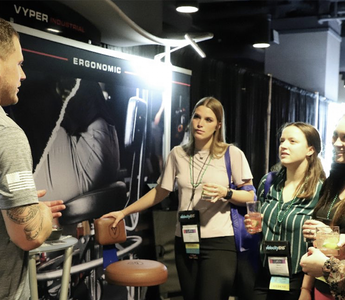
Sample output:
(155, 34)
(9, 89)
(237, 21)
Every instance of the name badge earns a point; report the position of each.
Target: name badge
(279, 264)
(190, 231)
(280, 283)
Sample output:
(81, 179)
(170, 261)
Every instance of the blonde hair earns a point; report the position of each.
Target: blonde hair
(218, 145)
(7, 32)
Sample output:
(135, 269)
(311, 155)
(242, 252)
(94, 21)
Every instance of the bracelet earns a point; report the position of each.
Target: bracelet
(326, 268)
(305, 288)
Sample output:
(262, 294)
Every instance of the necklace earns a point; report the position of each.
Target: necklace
(280, 218)
(280, 201)
(200, 175)
(202, 154)
(330, 208)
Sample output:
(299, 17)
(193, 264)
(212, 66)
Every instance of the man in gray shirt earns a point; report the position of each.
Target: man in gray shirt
(25, 223)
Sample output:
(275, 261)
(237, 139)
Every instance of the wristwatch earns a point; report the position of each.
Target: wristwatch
(228, 194)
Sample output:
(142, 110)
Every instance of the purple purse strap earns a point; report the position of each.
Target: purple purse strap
(228, 167)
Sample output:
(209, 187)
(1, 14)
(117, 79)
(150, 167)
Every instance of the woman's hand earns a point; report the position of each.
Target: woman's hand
(116, 215)
(248, 223)
(216, 191)
(312, 262)
(309, 228)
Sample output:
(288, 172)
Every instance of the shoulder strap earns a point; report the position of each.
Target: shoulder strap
(228, 165)
(269, 180)
(228, 162)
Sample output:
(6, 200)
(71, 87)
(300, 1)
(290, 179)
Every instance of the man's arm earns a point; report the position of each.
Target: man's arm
(28, 226)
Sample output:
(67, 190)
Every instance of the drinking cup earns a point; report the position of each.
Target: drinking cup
(327, 239)
(205, 196)
(254, 212)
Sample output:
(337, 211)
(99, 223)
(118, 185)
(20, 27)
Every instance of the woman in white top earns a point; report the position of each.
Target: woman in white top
(205, 253)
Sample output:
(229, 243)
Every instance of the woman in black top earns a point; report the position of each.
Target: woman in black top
(330, 209)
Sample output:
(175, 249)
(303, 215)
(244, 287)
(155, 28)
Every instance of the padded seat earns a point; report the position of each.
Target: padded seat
(133, 273)
(136, 273)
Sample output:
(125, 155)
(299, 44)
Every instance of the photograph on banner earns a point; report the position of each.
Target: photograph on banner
(91, 116)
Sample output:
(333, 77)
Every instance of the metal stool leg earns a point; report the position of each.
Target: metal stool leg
(66, 273)
(32, 277)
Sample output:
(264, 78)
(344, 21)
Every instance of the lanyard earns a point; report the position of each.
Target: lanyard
(200, 175)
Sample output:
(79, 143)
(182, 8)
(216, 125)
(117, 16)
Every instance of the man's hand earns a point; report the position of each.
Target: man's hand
(41, 193)
(56, 206)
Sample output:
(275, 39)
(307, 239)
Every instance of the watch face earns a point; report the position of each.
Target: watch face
(229, 194)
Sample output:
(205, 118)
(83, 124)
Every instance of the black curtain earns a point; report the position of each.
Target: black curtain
(289, 104)
(244, 95)
(246, 115)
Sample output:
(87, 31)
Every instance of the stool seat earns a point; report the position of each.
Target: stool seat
(136, 273)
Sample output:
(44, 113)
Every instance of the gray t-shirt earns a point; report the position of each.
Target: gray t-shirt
(215, 218)
(17, 188)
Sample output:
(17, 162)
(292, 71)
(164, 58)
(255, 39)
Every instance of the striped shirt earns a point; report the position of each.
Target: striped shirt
(283, 222)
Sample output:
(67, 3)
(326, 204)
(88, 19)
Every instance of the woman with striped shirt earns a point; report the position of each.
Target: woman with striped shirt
(290, 201)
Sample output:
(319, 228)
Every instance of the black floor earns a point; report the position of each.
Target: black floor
(111, 292)
(120, 293)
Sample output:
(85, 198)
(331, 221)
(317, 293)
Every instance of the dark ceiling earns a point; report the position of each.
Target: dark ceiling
(236, 24)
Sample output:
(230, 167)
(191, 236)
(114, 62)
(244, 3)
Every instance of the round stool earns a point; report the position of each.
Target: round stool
(136, 273)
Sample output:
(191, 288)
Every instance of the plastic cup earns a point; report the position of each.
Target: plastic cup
(205, 196)
(327, 239)
(254, 212)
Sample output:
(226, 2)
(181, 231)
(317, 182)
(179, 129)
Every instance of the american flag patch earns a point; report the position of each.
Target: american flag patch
(20, 181)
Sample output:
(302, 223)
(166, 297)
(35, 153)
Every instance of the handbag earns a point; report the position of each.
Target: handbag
(106, 234)
(244, 241)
